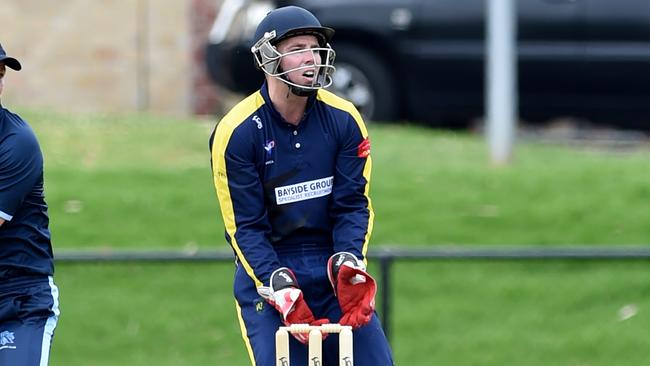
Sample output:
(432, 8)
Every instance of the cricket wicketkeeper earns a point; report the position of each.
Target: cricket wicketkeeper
(291, 166)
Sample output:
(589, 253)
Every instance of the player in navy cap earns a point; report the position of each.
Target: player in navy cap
(29, 300)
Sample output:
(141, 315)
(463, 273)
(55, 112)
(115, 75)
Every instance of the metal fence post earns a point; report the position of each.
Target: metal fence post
(385, 261)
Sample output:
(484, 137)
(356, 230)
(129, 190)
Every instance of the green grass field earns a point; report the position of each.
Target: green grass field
(143, 182)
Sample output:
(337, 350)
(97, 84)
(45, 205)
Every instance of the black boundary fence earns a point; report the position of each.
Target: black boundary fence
(384, 257)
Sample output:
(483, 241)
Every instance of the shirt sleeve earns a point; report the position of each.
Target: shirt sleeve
(351, 210)
(241, 197)
(21, 165)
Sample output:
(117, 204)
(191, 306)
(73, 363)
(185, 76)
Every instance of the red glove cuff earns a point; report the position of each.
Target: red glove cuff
(354, 287)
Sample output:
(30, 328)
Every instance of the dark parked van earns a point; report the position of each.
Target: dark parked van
(423, 60)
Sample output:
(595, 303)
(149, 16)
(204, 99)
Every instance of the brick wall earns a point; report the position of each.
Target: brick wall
(202, 15)
(109, 55)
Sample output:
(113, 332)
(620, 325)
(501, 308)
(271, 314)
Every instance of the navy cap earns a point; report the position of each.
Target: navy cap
(10, 62)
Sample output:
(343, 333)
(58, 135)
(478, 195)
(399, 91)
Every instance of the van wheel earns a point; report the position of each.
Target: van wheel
(365, 81)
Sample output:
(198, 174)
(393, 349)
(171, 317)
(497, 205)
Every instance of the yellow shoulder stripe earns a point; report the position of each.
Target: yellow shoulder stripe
(339, 103)
(342, 104)
(222, 136)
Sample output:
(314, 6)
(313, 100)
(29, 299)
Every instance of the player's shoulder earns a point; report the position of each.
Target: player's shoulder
(343, 106)
(18, 145)
(16, 131)
(240, 113)
(334, 101)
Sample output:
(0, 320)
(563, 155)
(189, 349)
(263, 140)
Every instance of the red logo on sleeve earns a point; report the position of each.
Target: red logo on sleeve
(363, 151)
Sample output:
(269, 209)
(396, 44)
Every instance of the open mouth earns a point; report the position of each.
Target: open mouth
(308, 74)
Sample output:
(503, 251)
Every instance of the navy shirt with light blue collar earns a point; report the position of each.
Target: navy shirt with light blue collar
(282, 186)
(25, 246)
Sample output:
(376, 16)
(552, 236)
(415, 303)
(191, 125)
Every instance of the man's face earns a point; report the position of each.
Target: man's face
(2, 76)
(295, 44)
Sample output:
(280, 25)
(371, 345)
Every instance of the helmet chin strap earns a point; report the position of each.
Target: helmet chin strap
(295, 90)
(298, 91)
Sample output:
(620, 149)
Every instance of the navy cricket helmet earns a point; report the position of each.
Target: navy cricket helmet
(291, 21)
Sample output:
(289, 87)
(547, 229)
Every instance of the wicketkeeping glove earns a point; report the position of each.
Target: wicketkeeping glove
(354, 287)
(285, 295)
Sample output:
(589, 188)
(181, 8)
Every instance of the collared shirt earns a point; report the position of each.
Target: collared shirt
(281, 186)
(25, 246)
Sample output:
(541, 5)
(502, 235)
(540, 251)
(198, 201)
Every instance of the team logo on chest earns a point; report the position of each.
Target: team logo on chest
(268, 146)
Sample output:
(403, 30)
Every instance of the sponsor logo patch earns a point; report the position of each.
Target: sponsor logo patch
(304, 191)
(363, 150)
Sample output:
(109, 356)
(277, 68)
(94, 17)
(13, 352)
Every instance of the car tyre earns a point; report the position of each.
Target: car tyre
(363, 79)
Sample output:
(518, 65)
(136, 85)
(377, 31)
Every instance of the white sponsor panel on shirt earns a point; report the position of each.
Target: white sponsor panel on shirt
(304, 190)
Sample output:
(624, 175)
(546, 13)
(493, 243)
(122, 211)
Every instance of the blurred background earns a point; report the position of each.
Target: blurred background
(111, 56)
(540, 259)
(424, 60)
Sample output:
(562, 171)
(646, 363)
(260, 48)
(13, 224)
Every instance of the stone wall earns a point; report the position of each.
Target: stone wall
(108, 55)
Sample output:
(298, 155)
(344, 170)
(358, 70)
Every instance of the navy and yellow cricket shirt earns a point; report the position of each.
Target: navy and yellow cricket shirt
(282, 185)
(25, 246)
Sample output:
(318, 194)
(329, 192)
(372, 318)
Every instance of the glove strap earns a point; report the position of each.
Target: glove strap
(282, 278)
(340, 259)
(283, 291)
